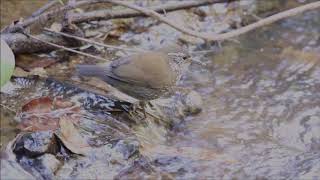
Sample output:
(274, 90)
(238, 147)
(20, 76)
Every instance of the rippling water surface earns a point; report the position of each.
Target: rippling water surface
(262, 108)
(261, 114)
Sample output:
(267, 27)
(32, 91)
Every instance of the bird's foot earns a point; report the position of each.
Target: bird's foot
(157, 112)
(140, 111)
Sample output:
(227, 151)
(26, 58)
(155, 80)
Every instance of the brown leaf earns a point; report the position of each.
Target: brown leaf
(116, 33)
(34, 115)
(60, 103)
(43, 114)
(39, 71)
(34, 123)
(39, 105)
(29, 62)
(19, 72)
(71, 137)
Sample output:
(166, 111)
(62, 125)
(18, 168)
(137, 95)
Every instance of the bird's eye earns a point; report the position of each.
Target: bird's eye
(185, 57)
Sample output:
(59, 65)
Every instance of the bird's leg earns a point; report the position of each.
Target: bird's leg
(143, 105)
(156, 108)
(136, 108)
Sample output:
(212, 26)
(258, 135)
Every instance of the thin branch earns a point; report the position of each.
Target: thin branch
(44, 8)
(8, 108)
(87, 17)
(20, 43)
(67, 49)
(217, 37)
(113, 14)
(48, 15)
(92, 42)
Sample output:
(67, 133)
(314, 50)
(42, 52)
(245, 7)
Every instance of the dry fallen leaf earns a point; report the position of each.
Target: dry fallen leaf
(59, 103)
(71, 137)
(19, 72)
(39, 105)
(40, 71)
(30, 62)
(42, 114)
(38, 124)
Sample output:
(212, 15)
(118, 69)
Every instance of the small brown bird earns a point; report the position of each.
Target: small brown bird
(144, 76)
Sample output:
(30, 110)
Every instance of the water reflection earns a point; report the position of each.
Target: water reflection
(262, 112)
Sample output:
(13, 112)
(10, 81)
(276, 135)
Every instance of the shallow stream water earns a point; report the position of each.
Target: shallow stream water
(261, 113)
(261, 116)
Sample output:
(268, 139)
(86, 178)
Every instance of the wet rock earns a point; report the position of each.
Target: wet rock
(50, 162)
(104, 162)
(35, 144)
(174, 165)
(180, 105)
(172, 110)
(193, 102)
(94, 102)
(141, 169)
(12, 170)
(128, 148)
(43, 167)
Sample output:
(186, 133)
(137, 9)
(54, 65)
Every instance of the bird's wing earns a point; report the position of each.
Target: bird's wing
(148, 69)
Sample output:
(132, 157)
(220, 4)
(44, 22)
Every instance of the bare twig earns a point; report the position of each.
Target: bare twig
(90, 16)
(20, 43)
(92, 42)
(112, 14)
(48, 15)
(8, 108)
(67, 49)
(44, 8)
(217, 37)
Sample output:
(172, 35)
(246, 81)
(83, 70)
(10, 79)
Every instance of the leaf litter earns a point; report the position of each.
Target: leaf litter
(42, 114)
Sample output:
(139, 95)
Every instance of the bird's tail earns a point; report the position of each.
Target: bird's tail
(91, 70)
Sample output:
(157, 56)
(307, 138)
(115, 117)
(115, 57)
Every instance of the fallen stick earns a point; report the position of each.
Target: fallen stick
(44, 8)
(93, 42)
(67, 49)
(44, 17)
(113, 14)
(218, 37)
(20, 43)
(47, 16)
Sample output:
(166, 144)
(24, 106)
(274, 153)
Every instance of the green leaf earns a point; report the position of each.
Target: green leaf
(7, 63)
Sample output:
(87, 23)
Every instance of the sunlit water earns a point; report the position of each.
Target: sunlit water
(261, 116)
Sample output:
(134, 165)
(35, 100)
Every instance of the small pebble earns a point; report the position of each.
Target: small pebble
(193, 102)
